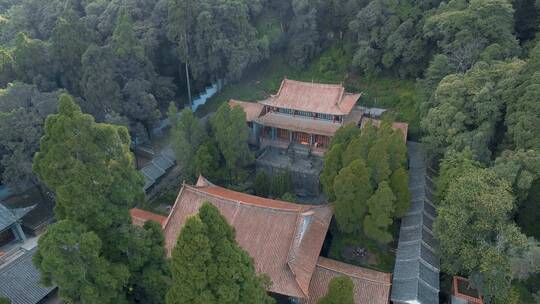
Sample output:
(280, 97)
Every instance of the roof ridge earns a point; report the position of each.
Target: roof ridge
(295, 208)
(354, 275)
(312, 83)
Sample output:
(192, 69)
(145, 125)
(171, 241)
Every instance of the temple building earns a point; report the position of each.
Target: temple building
(284, 239)
(294, 127)
(301, 112)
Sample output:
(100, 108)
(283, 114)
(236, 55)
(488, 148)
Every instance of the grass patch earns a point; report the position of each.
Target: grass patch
(331, 67)
(339, 241)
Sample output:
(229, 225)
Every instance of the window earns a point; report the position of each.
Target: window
(304, 113)
(325, 116)
(286, 111)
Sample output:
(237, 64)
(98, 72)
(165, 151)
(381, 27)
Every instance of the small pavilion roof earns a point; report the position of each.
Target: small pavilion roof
(252, 109)
(139, 217)
(370, 286)
(299, 124)
(313, 97)
(284, 239)
(10, 216)
(403, 126)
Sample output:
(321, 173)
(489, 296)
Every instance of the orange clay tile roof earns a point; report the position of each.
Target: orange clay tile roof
(252, 109)
(139, 217)
(283, 238)
(313, 97)
(403, 126)
(473, 297)
(370, 286)
(299, 124)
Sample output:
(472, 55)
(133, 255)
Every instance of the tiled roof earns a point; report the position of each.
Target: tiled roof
(139, 217)
(252, 109)
(370, 286)
(283, 238)
(298, 123)
(313, 97)
(19, 281)
(416, 272)
(10, 216)
(403, 126)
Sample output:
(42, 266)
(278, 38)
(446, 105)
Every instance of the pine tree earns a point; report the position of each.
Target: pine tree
(352, 188)
(340, 291)
(208, 266)
(380, 211)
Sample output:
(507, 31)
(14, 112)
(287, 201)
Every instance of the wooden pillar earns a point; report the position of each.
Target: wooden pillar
(311, 139)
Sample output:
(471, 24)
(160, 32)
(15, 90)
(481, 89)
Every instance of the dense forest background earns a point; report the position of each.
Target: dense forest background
(473, 66)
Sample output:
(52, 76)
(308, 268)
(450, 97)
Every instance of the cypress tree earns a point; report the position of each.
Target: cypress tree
(91, 170)
(209, 267)
(399, 182)
(379, 218)
(352, 188)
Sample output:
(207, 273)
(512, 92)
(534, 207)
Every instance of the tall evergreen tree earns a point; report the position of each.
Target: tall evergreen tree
(187, 135)
(379, 163)
(331, 167)
(399, 182)
(91, 170)
(208, 266)
(231, 135)
(352, 189)
(380, 211)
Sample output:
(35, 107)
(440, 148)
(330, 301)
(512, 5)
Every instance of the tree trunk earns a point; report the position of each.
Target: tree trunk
(188, 86)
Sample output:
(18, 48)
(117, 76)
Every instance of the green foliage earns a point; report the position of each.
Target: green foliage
(5, 301)
(399, 182)
(91, 170)
(451, 167)
(281, 184)
(69, 40)
(207, 160)
(331, 167)
(209, 267)
(22, 111)
(378, 162)
(352, 189)
(466, 29)
(74, 143)
(474, 233)
(187, 135)
(231, 136)
(379, 216)
(216, 38)
(289, 197)
(261, 185)
(520, 169)
(467, 108)
(340, 291)
(303, 33)
(70, 256)
(389, 37)
(124, 39)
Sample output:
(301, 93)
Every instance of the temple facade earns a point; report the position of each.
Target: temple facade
(304, 113)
